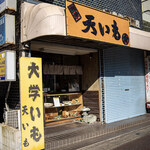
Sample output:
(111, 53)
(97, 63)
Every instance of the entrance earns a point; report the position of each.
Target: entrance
(69, 81)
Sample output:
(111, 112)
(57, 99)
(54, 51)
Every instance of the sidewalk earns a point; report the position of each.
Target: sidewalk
(120, 141)
(76, 135)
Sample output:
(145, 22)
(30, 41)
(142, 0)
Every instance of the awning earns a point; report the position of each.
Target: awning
(139, 39)
(40, 20)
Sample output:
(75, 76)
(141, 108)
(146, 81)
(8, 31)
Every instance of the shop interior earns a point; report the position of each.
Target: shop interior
(67, 78)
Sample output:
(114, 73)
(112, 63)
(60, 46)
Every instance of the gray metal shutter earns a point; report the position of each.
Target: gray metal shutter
(124, 83)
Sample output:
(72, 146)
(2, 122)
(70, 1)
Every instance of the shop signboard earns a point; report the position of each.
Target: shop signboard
(8, 65)
(90, 23)
(7, 4)
(7, 30)
(2, 66)
(32, 122)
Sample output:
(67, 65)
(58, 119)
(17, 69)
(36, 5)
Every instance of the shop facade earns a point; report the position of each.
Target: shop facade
(114, 64)
(70, 66)
(103, 72)
(80, 65)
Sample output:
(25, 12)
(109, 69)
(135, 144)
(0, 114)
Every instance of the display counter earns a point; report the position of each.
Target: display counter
(62, 107)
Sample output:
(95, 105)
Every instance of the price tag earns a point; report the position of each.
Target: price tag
(56, 101)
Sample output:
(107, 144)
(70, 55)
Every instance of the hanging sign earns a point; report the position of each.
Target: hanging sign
(31, 103)
(7, 30)
(7, 4)
(90, 23)
(8, 65)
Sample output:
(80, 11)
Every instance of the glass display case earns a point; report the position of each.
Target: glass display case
(61, 107)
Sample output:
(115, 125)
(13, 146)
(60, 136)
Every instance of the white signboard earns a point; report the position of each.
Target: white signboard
(7, 30)
(56, 101)
(7, 4)
(8, 65)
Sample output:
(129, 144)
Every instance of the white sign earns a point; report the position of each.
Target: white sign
(7, 4)
(56, 101)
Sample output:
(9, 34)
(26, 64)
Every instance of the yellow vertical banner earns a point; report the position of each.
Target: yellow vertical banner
(32, 122)
(2, 66)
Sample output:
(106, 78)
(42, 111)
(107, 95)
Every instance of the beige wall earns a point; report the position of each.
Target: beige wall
(90, 77)
(139, 39)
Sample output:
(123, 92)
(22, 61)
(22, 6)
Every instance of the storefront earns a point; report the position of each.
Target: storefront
(70, 67)
(90, 59)
(65, 77)
(85, 63)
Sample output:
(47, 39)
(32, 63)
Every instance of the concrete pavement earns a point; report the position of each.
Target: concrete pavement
(96, 137)
(131, 140)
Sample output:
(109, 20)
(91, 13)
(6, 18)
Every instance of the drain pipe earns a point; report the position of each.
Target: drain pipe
(102, 85)
(6, 97)
(29, 49)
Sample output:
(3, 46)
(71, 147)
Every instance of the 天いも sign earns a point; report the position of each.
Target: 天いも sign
(7, 30)
(32, 123)
(89, 23)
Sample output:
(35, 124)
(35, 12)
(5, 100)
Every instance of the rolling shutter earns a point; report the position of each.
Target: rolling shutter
(124, 83)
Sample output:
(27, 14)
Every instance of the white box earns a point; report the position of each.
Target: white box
(8, 4)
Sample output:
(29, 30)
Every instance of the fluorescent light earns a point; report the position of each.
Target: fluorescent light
(60, 48)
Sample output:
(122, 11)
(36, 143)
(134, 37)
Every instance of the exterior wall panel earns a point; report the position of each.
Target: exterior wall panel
(130, 8)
